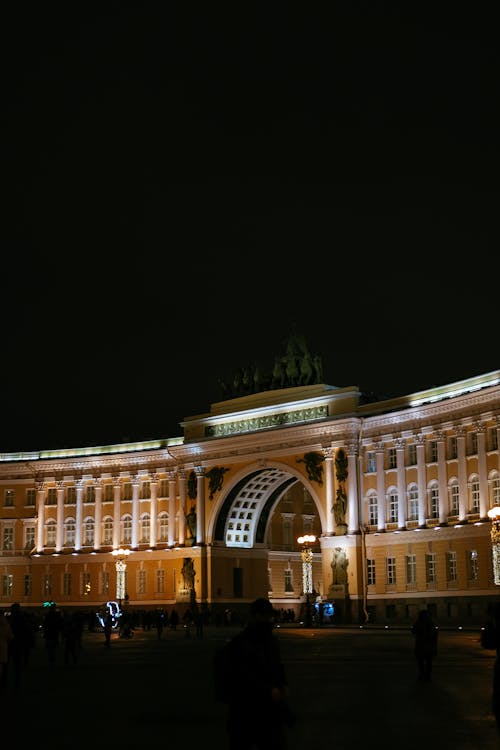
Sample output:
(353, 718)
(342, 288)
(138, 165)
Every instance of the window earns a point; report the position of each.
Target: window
(451, 566)
(452, 447)
(31, 497)
(454, 498)
(51, 534)
(127, 530)
(89, 532)
(413, 503)
(105, 583)
(474, 496)
(391, 570)
(495, 490)
(141, 582)
(392, 458)
(287, 530)
(8, 539)
(471, 442)
(288, 581)
(163, 488)
(69, 532)
(7, 584)
(86, 585)
(127, 491)
(430, 567)
(145, 529)
(493, 438)
(373, 510)
(9, 498)
(411, 569)
(146, 491)
(108, 492)
(70, 496)
(370, 572)
(393, 506)
(108, 531)
(160, 581)
(371, 464)
(28, 585)
(47, 585)
(472, 565)
(412, 454)
(67, 584)
(434, 502)
(29, 537)
(90, 493)
(163, 521)
(51, 496)
(433, 451)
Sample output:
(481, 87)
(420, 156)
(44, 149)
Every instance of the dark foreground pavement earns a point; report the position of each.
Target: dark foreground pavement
(349, 687)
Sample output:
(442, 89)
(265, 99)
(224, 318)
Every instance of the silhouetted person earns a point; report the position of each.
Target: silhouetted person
(250, 678)
(174, 619)
(108, 629)
(425, 650)
(52, 628)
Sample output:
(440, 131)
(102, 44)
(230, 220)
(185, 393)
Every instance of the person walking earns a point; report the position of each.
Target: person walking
(425, 649)
(250, 678)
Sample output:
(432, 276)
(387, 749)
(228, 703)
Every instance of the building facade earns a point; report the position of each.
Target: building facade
(396, 492)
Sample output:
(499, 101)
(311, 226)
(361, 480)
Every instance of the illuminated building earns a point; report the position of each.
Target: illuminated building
(397, 493)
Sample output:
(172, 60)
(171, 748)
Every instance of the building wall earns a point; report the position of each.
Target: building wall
(429, 441)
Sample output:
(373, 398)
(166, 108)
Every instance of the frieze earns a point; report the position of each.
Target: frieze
(266, 422)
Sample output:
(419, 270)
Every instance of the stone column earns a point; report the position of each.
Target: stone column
(181, 474)
(98, 514)
(79, 514)
(40, 502)
(382, 501)
(135, 512)
(116, 512)
(153, 531)
(402, 499)
(200, 504)
(444, 503)
(482, 469)
(421, 480)
(60, 516)
(352, 491)
(329, 490)
(172, 497)
(462, 474)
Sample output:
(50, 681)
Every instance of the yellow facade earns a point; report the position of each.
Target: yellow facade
(406, 526)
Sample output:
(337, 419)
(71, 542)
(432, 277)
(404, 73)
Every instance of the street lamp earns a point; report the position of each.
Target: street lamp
(494, 514)
(306, 542)
(121, 567)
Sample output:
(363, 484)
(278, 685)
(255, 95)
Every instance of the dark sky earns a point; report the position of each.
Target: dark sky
(184, 188)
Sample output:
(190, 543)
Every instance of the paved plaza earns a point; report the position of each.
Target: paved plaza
(349, 686)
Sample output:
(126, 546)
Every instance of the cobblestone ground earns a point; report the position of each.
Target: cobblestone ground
(349, 686)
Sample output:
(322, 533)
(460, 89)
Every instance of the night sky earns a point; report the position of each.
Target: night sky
(184, 189)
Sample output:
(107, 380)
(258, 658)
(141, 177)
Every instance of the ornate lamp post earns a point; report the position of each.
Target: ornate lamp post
(306, 542)
(494, 514)
(121, 567)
